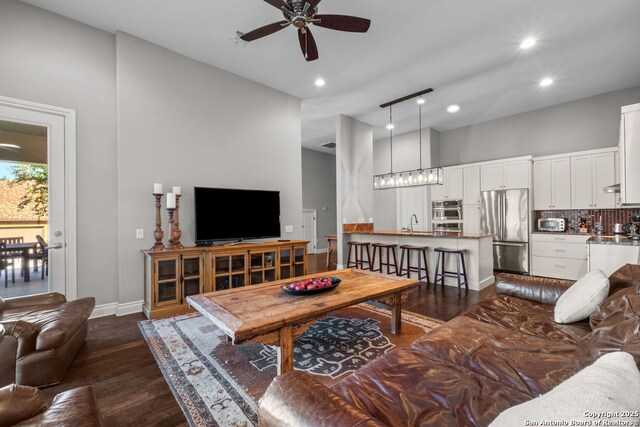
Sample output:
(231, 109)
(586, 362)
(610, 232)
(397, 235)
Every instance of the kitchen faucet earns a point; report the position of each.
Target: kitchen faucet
(411, 222)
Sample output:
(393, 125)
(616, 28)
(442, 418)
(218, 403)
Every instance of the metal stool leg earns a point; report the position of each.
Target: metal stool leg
(464, 272)
(395, 262)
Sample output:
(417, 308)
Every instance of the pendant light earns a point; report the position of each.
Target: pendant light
(410, 178)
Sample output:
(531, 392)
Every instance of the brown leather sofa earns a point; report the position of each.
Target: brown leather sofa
(500, 352)
(25, 406)
(42, 335)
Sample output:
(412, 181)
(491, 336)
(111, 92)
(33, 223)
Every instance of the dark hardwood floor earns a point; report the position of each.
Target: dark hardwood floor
(130, 388)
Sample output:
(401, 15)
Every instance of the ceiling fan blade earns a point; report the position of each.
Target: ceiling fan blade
(308, 44)
(264, 31)
(352, 24)
(279, 4)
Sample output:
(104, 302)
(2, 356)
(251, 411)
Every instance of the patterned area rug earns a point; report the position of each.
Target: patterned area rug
(218, 384)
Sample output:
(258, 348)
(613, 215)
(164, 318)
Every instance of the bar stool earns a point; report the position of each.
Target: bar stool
(359, 257)
(332, 246)
(390, 250)
(407, 250)
(441, 272)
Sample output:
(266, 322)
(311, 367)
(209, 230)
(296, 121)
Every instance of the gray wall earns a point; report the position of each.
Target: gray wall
(53, 60)
(406, 149)
(585, 124)
(319, 191)
(182, 122)
(160, 118)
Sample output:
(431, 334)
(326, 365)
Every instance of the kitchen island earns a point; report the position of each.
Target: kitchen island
(478, 256)
(608, 253)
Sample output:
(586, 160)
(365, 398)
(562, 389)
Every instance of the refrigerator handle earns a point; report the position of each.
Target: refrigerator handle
(503, 213)
(519, 245)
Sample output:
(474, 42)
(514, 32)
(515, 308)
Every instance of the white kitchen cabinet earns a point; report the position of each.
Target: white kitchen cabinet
(559, 255)
(505, 176)
(589, 175)
(581, 182)
(471, 178)
(542, 185)
(471, 218)
(552, 184)
(516, 174)
(609, 258)
(561, 183)
(491, 177)
(452, 189)
(604, 175)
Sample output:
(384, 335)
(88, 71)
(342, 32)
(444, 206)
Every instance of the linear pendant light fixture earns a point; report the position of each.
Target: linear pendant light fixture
(410, 178)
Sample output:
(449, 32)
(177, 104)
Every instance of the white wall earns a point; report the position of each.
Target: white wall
(53, 60)
(354, 170)
(170, 119)
(584, 124)
(319, 191)
(182, 122)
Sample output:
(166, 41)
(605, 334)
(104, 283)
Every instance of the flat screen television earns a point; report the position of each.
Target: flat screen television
(224, 214)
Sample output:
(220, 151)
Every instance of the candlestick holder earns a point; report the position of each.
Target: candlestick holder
(171, 244)
(158, 234)
(176, 233)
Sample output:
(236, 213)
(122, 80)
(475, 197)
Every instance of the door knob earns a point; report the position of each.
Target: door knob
(56, 246)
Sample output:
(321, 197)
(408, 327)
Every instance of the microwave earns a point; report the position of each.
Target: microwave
(447, 210)
(552, 224)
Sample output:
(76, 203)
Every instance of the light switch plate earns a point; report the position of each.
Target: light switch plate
(288, 228)
(139, 233)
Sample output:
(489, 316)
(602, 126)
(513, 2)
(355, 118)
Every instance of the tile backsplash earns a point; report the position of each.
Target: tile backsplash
(609, 217)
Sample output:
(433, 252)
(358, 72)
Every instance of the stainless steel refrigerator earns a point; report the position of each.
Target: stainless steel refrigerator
(505, 215)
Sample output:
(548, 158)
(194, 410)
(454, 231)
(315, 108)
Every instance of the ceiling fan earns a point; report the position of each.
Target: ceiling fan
(301, 13)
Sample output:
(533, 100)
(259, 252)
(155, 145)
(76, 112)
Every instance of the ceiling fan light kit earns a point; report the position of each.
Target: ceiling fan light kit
(301, 14)
(410, 178)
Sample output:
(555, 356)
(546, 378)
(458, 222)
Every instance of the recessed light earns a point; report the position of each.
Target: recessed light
(320, 82)
(527, 43)
(453, 108)
(420, 101)
(390, 126)
(3, 145)
(546, 82)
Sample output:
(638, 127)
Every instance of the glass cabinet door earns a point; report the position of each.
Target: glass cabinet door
(229, 270)
(191, 276)
(168, 290)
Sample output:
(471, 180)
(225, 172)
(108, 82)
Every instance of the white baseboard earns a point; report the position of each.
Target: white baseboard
(129, 308)
(321, 251)
(113, 308)
(103, 310)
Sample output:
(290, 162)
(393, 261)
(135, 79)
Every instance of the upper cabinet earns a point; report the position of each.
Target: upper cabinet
(552, 184)
(452, 189)
(505, 175)
(589, 175)
(471, 195)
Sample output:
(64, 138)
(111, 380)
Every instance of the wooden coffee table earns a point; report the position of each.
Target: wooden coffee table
(266, 314)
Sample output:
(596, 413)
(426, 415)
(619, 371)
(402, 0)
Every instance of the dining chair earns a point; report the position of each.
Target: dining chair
(6, 261)
(41, 254)
(13, 254)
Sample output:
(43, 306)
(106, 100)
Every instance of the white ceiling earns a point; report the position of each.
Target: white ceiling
(467, 50)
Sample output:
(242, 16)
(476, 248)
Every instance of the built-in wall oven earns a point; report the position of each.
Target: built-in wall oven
(446, 215)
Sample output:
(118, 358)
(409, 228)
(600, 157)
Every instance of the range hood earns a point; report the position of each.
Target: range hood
(612, 189)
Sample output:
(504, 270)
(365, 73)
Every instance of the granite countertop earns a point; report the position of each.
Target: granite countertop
(621, 240)
(562, 233)
(440, 235)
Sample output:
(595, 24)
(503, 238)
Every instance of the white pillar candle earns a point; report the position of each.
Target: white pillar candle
(177, 190)
(157, 188)
(171, 201)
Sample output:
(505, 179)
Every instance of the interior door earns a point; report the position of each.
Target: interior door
(55, 234)
(309, 229)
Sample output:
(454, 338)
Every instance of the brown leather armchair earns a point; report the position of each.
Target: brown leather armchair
(25, 406)
(41, 336)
